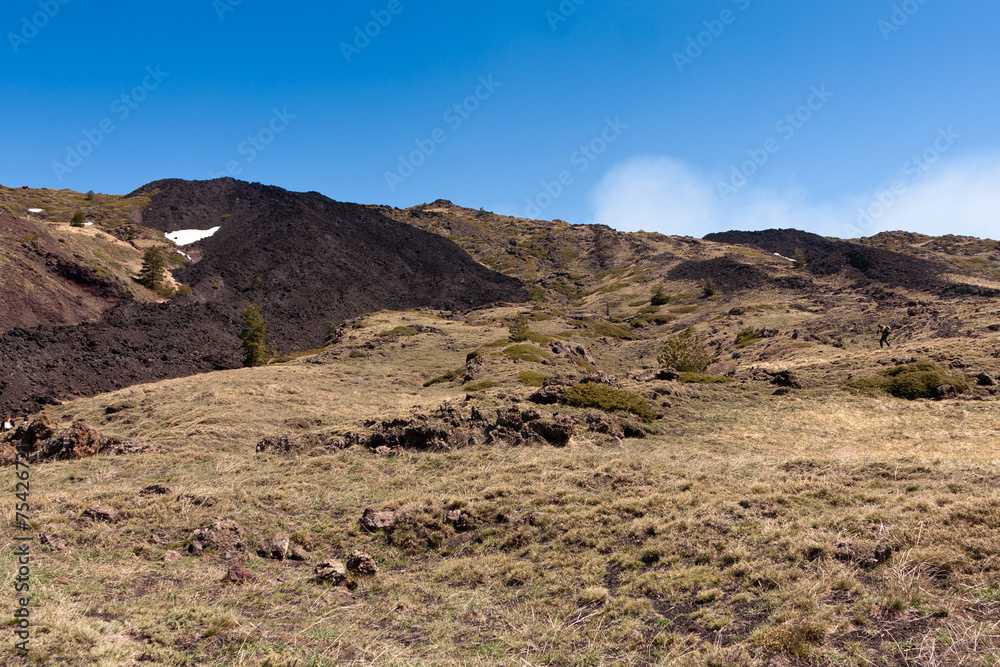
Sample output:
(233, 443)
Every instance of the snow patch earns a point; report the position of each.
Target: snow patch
(189, 236)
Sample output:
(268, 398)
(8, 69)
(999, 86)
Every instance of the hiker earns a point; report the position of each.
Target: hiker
(884, 340)
(7, 424)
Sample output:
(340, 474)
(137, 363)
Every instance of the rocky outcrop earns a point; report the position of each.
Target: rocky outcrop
(41, 440)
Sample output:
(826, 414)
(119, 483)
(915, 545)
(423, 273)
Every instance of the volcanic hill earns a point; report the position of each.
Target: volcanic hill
(305, 259)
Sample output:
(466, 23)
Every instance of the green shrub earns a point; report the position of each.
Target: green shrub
(684, 309)
(358, 354)
(654, 318)
(78, 219)
(524, 352)
(531, 379)
(609, 399)
(686, 353)
(708, 288)
(910, 381)
(704, 378)
(447, 377)
(659, 297)
(399, 331)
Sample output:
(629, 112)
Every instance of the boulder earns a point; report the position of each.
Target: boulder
(787, 379)
(239, 574)
(378, 519)
(985, 380)
(332, 572)
(945, 391)
(224, 536)
(275, 548)
(361, 563)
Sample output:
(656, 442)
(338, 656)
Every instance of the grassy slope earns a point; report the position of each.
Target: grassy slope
(734, 537)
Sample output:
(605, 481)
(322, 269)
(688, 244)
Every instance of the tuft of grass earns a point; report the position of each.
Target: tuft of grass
(399, 331)
(531, 379)
(704, 378)
(479, 386)
(748, 337)
(447, 377)
(610, 399)
(524, 352)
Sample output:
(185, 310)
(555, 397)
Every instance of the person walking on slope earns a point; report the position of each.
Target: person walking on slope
(8, 424)
(884, 340)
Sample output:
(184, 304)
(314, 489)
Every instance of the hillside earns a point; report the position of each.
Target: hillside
(426, 490)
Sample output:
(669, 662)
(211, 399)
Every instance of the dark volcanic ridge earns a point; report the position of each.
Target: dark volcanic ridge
(305, 259)
(862, 264)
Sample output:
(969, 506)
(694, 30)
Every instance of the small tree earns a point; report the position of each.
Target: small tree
(659, 297)
(253, 333)
(78, 219)
(686, 353)
(153, 268)
(708, 288)
(90, 195)
(800, 258)
(518, 328)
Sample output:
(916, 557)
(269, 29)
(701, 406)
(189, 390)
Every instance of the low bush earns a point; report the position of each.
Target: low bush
(610, 399)
(686, 353)
(910, 381)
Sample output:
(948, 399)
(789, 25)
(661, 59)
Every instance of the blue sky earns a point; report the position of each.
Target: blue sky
(844, 118)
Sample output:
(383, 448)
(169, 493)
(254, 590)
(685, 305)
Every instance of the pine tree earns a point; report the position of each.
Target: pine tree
(518, 328)
(256, 350)
(153, 268)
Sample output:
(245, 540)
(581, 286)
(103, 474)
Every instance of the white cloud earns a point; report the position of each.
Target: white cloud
(662, 194)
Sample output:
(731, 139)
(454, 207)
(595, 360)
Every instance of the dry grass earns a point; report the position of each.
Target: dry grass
(738, 537)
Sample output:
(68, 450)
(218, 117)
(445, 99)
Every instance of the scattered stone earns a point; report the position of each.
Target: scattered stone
(297, 553)
(224, 536)
(333, 572)
(155, 490)
(195, 548)
(787, 379)
(985, 380)
(944, 392)
(275, 548)
(602, 423)
(53, 542)
(601, 377)
(724, 367)
(547, 395)
(171, 556)
(557, 431)
(102, 513)
(193, 499)
(782, 391)
(373, 520)
(361, 563)
(666, 374)
(239, 574)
